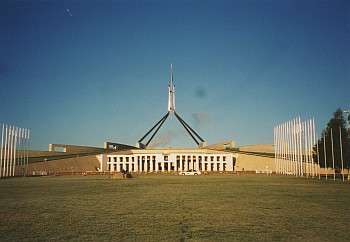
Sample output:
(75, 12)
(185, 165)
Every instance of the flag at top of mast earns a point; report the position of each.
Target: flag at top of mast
(171, 87)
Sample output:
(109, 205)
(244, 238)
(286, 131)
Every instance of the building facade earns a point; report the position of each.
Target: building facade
(168, 160)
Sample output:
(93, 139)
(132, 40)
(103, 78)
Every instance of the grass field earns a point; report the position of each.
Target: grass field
(174, 208)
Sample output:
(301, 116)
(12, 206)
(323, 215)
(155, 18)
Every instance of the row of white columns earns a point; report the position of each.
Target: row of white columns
(294, 141)
(134, 163)
(14, 150)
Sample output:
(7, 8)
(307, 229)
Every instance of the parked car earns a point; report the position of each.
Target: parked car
(190, 173)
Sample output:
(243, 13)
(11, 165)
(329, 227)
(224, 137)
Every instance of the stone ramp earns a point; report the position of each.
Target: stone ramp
(74, 164)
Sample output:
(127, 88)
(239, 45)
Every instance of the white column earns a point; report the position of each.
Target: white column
(181, 166)
(169, 163)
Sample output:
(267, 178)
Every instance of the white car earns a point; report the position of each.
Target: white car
(190, 173)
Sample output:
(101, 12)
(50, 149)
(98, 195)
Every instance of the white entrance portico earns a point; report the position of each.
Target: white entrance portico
(167, 160)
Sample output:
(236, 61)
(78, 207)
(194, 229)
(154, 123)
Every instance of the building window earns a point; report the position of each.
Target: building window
(166, 158)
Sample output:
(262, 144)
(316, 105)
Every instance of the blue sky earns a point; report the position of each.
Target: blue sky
(240, 68)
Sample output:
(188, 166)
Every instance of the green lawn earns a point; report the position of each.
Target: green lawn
(174, 208)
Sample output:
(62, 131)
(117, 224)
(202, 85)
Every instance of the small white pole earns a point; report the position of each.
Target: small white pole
(332, 154)
(341, 153)
(2, 149)
(325, 154)
(318, 160)
(15, 152)
(300, 148)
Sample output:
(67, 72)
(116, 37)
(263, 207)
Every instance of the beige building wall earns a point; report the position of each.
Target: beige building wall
(247, 162)
(261, 148)
(76, 164)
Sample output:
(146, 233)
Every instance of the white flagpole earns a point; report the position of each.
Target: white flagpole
(310, 148)
(341, 153)
(5, 151)
(2, 149)
(10, 153)
(22, 149)
(28, 149)
(318, 160)
(293, 148)
(25, 148)
(325, 154)
(306, 148)
(284, 149)
(15, 152)
(290, 154)
(19, 150)
(297, 141)
(300, 148)
(275, 147)
(332, 154)
(279, 149)
(315, 143)
(287, 149)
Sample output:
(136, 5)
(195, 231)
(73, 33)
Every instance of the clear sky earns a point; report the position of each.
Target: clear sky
(99, 71)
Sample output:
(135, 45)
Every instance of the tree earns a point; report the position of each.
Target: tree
(335, 127)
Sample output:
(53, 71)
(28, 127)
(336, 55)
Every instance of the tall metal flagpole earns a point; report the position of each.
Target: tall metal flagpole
(8, 151)
(284, 149)
(22, 150)
(275, 147)
(28, 149)
(306, 148)
(314, 141)
(341, 153)
(293, 148)
(15, 152)
(332, 153)
(310, 151)
(19, 150)
(2, 149)
(278, 148)
(325, 154)
(318, 160)
(300, 147)
(11, 156)
(5, 152)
